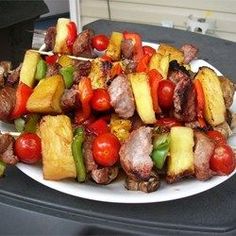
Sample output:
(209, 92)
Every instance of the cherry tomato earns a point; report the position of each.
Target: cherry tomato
(223, 160)
(106, 149)
(217, 136)
(100, 42)
(100, 100)
(168, 122)
(147, 50)
(28, 148)
(165, 93)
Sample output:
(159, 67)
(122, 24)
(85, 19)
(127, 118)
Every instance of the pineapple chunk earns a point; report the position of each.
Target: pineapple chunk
(56, 138)
(47, 95)
(29, 66)
(142, 95)
(214, 101)
(61, 36)
(160, 63)
(114, 46)
(65, 61)
(97, 76)
(181, 159)
(175, 54)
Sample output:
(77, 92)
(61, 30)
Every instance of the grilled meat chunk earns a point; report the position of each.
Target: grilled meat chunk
(127, 48)
(6, 149)
(121, 97)
(7, 102)
(82, 68)
(82, 45)
(105, 175)
(134, 154)
(228, 90)
(204, 148)
(88, 153)
(151, 185)
(49, 38)
(53, 69)
(68, 99)
(190, 52)
(184, 100)
(14, 76)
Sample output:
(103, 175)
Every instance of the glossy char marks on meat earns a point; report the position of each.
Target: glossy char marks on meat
(82, 45)
(7, 102)
(204, 148)
(122, 97)
(14, 76)
(190, 52)
(127, 48)
(68, 99)
(6, 149)
(185, 100)
(82, 68)
(135, 154)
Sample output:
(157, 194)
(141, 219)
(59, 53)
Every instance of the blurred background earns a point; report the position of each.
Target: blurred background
(213, 17)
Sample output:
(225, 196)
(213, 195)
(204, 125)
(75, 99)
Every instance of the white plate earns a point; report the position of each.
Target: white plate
(116, 192)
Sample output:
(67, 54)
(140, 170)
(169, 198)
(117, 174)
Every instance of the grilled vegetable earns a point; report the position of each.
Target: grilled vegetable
(143, 99)
(2, 168)
(180, 163)
(41, 70)
(31, 124)
(214, 110)
(67, 73)
(78, 154)
(27, 73)
(56, 137)
(46, 96)
(114, 46)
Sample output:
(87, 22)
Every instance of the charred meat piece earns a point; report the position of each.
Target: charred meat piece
(228, 90)
(5, 67)
(7, 102)
(105, 175)
(49, 38)
(14, 76)
(88, 153)
(82, 45)
(204, 148)
(122, 97)
(177, 72)
(130, 66)
(82, 68)
(127, 48)
(151, 185)
(190, 52)
(68, 99)
(184, 100)
(134, 154)
(53, 69)
(6, 149)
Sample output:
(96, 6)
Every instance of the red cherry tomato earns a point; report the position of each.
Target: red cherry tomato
(100, 42)
(28, 148)
(217, 136)
(147, 50)
(168, 122)
(100, 100)
(223, 160)
(106, 149)
(165, 93)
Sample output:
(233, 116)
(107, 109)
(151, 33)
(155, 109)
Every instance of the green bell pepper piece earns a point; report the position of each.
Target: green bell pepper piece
(67, 73)
(31, 123)
(19, 124)
(41, 70)
(78, 154)
(2, 168)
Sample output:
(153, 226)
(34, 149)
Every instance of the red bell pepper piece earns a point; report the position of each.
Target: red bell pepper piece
(116, 70)
(98, 127)
(147, 50)
(106, 58)
(154, 78)
(23, 93)
(143, 64)
(51, 59)
(85, 92)
(137, 41)
(72, 34)
(200, 103)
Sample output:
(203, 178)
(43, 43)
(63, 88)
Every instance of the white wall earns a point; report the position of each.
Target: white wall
(153, 12)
